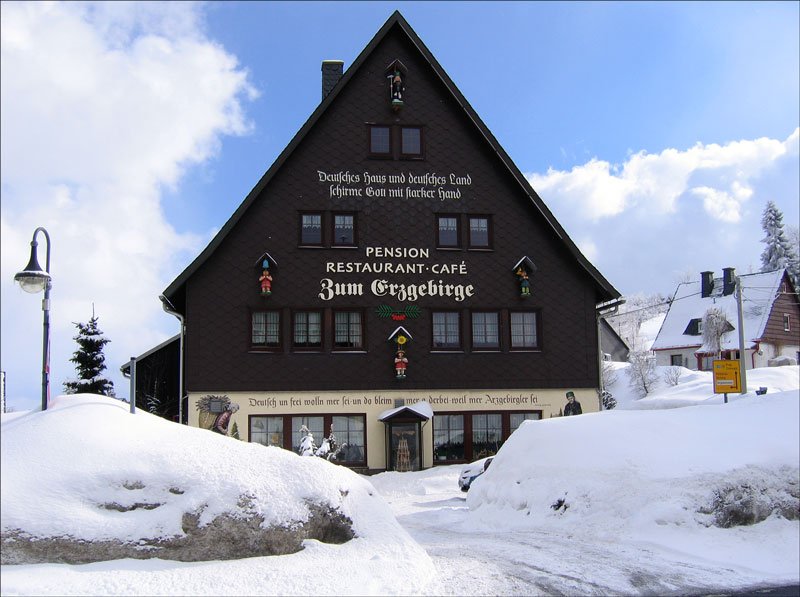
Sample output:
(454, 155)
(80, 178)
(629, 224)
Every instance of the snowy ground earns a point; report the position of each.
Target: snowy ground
(478, 558)
(634, 481)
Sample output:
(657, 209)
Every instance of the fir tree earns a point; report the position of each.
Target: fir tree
(90, 361)
(778, 252)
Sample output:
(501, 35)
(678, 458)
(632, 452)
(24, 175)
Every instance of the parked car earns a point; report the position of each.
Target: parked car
(472, 471)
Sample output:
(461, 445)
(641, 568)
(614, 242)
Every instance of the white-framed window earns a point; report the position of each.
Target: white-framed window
(485, 330)
(266, 329)
(348, 330)
(307, 329)
(524, 332)
(446, 330)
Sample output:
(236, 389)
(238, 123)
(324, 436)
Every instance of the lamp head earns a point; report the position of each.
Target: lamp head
(33, 278)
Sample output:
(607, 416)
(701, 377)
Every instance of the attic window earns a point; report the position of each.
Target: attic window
(311, 229)
(479, 232)
(380, 140)
(695, 327)
(447, 235)
(411, 141)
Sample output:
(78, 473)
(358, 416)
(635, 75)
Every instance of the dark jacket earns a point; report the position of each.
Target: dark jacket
(573, 408)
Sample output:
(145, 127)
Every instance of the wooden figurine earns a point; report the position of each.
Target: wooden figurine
(400, 364)
(524, 282)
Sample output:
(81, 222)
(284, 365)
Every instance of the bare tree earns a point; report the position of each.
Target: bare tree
(672, 375)
(642, 372)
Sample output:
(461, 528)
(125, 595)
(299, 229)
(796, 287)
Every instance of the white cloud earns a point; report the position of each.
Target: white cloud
(723, 205)
(104, 105)
(656, 182)
(686, 210)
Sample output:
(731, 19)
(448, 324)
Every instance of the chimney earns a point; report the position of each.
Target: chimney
(706, 284)
(728, 280)
(331, 73)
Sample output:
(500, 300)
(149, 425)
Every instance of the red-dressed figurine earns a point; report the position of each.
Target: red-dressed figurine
(266, 279)
(400, 364)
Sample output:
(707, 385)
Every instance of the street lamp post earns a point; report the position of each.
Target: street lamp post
(33, 279)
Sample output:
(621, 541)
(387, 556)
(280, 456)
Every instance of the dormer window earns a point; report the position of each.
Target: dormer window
(695, 327)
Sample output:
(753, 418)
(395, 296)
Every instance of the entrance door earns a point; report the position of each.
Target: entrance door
(404, 447)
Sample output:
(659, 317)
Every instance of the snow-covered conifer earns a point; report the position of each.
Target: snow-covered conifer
(90, 361)
(778, 252)
(307, 446)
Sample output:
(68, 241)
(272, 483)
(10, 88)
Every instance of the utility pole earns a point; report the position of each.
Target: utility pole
(601, 310)
(742, 356)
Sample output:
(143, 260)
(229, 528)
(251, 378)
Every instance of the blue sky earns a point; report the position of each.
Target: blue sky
(655, 132)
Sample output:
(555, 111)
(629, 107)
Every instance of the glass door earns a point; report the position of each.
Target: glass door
(404, 453)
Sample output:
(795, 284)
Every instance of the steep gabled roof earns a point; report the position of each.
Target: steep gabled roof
(605, 290)
(759, 291)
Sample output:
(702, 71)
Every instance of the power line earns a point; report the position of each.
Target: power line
(668, 302)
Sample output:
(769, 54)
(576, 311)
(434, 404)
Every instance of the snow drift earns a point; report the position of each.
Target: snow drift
(646, 472)
(95, 475)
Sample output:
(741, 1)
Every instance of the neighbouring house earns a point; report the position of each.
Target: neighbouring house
(156, 373)
(770, 311)
(392, 283)
(613, 346)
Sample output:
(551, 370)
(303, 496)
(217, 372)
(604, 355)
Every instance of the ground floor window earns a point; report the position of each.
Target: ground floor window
(267, 431)
(516, 419)
(487, 434)
(448, 437)
(464, 437)
(284, 431)
(315, 425)
(350, 437)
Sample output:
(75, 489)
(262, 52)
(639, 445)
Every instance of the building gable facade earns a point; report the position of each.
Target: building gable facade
(392, 256)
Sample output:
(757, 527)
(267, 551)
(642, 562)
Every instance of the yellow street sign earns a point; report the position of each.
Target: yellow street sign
(727, 377)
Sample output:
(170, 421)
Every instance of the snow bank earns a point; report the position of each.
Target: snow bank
(62, 466)
(695, 387)
(648, 473)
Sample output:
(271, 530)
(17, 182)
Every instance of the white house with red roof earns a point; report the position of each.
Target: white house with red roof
(771, 316)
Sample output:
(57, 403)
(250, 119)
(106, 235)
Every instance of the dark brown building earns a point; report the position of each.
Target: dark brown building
(392, 222)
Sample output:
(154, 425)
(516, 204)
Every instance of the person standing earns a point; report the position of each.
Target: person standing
(573, 407)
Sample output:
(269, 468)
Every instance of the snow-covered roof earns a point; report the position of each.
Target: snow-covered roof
(422, 409)
(758, 291)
